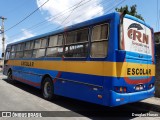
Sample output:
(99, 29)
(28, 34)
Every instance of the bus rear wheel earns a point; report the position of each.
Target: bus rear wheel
(47, 88)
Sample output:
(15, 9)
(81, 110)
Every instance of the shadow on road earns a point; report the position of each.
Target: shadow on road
(93, 111)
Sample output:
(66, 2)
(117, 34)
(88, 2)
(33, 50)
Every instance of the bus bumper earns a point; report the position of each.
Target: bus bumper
(124, 98)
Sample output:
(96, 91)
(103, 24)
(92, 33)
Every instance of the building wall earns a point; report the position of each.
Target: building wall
(157, 49)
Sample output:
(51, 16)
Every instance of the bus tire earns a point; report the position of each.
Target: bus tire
(47, 88)
(9, 77)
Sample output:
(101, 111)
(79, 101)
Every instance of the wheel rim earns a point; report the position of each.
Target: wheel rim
(47, 89)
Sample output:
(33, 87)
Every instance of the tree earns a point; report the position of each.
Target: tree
(132, 11)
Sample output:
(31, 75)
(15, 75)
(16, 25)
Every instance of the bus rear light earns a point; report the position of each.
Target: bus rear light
(100, 96)
(139, 87)
(150, 86)
(120, 89)
(124, 89)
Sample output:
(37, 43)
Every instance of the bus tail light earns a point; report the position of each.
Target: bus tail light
(100, 96)
(121, 89)
(139, 87)
(150, 86)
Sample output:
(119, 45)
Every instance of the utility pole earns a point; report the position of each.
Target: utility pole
(3, 39)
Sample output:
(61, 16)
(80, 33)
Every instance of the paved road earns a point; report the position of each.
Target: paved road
(21, 97)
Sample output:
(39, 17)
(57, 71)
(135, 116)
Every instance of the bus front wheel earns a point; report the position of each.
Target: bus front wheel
(47, 88)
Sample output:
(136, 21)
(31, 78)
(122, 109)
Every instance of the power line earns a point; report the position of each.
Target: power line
(70, 13)
(74, 7)
(26, 16)
(79, 15)
(106, 9)
(53, 17)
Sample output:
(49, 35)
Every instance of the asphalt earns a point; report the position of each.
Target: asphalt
(23, 98)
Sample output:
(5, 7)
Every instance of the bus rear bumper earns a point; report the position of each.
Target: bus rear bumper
(124, 98)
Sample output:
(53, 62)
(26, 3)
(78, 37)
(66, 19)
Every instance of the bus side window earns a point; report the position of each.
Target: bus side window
(13, 52)
(19, 50)
(39, 48)
(99, 41)
(55, 47)
(77, 43)
(7, 54)
(28, 49)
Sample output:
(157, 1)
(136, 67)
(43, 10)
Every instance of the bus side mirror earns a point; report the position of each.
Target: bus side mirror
(2, 54)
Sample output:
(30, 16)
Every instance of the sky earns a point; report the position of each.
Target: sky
(56, 14)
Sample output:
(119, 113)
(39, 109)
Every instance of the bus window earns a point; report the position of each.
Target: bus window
(19, 47)
(37, 44)
(28, 49)
(39, 48)
(13, 52)
(7, 54)
(28, 54)
(12, 56)
(99, 41)
(77, 43)
(19, 50)
(60, 40)
(38, 53)
(13, 48)
(53, 41)
(43, 43)
(19, 54)
(55, 48)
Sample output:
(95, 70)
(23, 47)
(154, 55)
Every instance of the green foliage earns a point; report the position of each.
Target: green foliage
(132, 11)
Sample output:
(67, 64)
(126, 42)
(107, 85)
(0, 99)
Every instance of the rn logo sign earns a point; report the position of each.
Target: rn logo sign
(137, 37)
(136, 34)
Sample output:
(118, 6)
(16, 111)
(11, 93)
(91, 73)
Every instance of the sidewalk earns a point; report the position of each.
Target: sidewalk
(152, 100)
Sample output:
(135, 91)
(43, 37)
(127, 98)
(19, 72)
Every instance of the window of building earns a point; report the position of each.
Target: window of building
(99, 41)
(77, 43)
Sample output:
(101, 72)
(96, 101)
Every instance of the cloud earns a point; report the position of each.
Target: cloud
(87, 9)
(25, 34)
